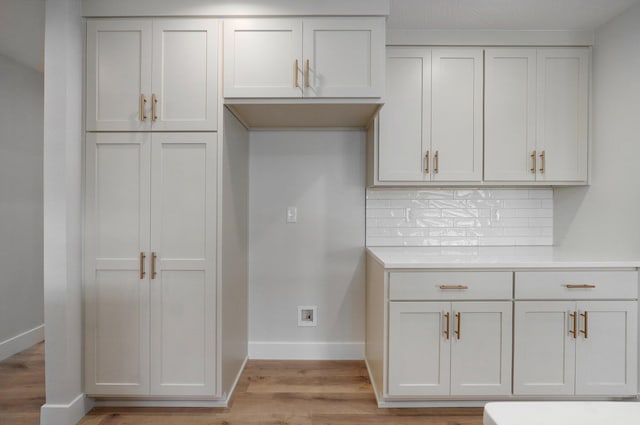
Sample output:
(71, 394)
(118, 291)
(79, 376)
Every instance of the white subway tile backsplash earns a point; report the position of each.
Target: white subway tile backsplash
(460, 217)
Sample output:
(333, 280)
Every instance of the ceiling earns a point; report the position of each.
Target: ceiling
(22, 21)
(503, 14)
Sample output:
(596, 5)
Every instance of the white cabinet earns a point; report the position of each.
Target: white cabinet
(431, 124)
(322, 57)
(150, 264)
(536, 114)
(441, 348)
(151, 74)
(580, 343)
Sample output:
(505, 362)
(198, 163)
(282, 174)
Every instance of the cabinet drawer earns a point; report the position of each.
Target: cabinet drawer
(450, 285)
(576, 284)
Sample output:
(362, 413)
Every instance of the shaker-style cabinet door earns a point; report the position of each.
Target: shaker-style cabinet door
(183, 264)
(185, 69)
(405, 119)
(118, 74)
(117, 207)
(263, 58)
(343, 57)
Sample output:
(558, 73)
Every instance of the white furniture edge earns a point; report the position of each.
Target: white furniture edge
(402, 37)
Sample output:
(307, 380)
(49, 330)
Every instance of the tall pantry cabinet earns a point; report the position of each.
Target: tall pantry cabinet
(151, 199)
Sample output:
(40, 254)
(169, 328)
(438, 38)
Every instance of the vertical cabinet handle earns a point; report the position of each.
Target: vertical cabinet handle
(154, 103)
(542, 162)
(295, 74)
(426, 162)
(153, 265)
(574, 321)
(436, 162)
(142, 272)
(306, 74)
(585, 331)
(457, 331)
(533, 162)
(143, 103)
(446, 325)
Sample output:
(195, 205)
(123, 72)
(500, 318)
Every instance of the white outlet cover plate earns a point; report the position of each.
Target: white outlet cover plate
(314, 310)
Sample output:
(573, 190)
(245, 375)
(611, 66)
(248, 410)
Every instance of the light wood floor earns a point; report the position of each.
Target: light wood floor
(269, 393)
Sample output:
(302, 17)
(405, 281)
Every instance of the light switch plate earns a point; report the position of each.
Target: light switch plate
(292, 215)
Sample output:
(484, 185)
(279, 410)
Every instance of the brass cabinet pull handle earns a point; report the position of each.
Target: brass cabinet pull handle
(446, 325)
(154, 103)
(533, 162)
(306, 74)
(574, 320)
(143, 103)
(542, 162)
(436, 162)
(585, 331)
(426, 162)
(580, 286)
(458, 325)
(295, 74)
(142, 272)
(454, 287)
(153, 265)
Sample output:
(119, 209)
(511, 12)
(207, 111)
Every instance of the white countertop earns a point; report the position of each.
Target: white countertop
(494, 257)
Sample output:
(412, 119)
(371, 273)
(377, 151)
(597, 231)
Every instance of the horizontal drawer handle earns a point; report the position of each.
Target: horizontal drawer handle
(580, 286)
(454, 287)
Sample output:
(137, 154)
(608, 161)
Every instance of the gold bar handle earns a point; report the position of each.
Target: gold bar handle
(454, 287)
(436, 162)
(153, 265)
(533, 162)
(542, 162)
(585, 331)
(143, 104)
(154, 103)
(574, 320)
(446, 325)
(458, 317)
(295, 74)
(306, 74)
(426, 162)
(142, 272)
(580, 286)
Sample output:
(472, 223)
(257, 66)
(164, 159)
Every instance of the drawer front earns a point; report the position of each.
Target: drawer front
(450, 285)
(598, 284)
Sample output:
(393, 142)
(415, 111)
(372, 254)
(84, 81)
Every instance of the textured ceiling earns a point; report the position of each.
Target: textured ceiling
(22, 31)
(504, 14)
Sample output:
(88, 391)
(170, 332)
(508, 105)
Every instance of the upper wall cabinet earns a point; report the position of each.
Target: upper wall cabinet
(431, 124)
(152, 74)
(293, 58)
(536, 115)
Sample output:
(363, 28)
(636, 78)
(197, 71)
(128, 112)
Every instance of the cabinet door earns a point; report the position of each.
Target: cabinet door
(563, 87)
(606, 353)
(419, 350)
(116, 283)
(481, 348)
(263, 58)
(405, 131)
(183, 274)
(118, 74)
(510, 114)
(185, 69)
(544, 349)
(456, 114)
(343, 57)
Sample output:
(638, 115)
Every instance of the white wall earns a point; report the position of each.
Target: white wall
(603, 218)
(21, 132)
(317, 261)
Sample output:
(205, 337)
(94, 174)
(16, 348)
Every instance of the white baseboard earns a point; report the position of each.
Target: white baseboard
(65, 414)
(306, 350)
(21, 342)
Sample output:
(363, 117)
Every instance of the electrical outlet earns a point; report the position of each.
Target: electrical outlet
(292, 215)
(307, 315)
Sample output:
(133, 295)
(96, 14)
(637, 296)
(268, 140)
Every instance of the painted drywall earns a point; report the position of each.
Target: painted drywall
(21, 132)
(62, 172)
(603, 218)
(319, 260)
